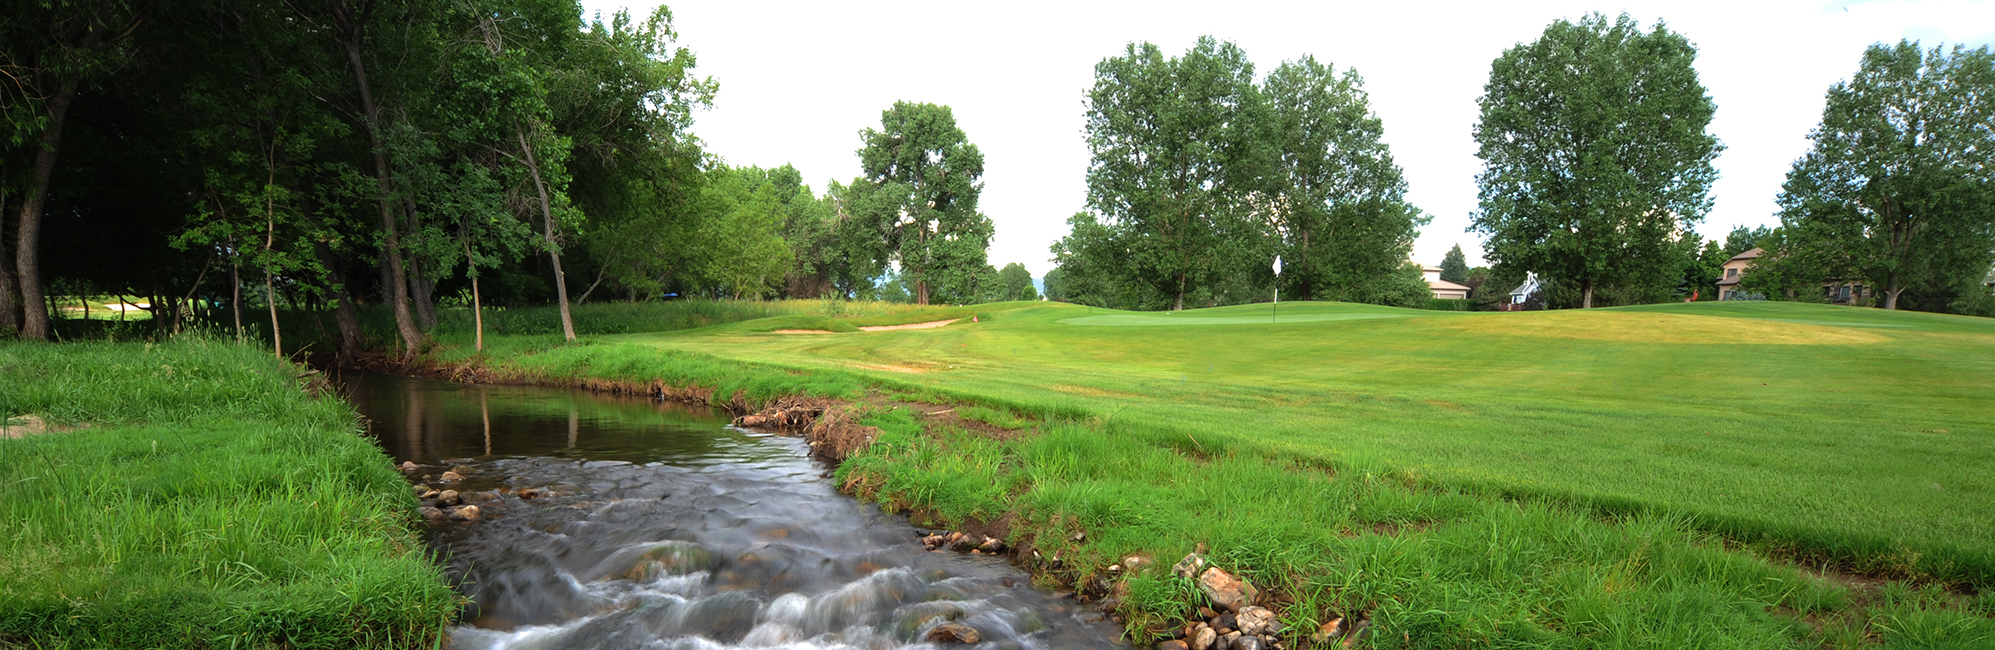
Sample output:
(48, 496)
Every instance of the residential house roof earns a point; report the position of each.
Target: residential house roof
(1751, 254)
(1444, 284)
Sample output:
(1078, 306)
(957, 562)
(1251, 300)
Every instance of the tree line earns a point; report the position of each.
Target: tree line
(1597, 165)
(411, 153)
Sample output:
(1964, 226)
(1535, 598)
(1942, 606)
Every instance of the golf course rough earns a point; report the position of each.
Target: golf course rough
(1660, 476)
(196, 494)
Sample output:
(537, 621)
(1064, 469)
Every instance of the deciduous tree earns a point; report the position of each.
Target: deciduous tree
(1898, 190)
(1176, 146)
(919, 198)
(1335, 201)
(1596, 155)
(1455, 266)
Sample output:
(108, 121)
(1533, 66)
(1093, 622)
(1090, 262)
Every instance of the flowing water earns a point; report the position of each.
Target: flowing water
(665, 528)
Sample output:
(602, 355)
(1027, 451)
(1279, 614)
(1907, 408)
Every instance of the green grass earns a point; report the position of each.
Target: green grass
(1864, 443)
(1659, 476)
(203, 501)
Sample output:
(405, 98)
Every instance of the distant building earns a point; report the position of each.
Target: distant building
(1735, 270)
(1522, 293)
(1834, 291)
(1443, 288)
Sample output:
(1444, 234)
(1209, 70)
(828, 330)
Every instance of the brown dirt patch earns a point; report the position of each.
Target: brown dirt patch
(909, 326)
(27, 425)
(888, 368)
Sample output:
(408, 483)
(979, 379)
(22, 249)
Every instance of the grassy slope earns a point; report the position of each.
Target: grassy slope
(1855, 432)
(208, 503)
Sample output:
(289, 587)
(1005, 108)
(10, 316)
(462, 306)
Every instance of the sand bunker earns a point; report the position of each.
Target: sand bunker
(910, 326)
(877, 328)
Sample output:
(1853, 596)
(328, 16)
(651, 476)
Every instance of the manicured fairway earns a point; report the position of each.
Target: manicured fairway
(1860, 433)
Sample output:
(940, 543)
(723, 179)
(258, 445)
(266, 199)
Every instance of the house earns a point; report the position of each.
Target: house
(1735, 270)
(1834, 291)
(1443, 288)
(1522, 293)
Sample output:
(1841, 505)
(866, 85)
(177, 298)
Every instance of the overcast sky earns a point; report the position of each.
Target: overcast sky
(799, 80)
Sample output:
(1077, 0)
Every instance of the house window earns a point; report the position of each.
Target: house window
(1731, 273)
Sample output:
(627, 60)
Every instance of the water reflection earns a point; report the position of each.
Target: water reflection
(654, 525)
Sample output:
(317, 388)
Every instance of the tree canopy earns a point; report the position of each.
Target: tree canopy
(1201, 176)
(1897, 191)
(1595, 157)
(918, 202)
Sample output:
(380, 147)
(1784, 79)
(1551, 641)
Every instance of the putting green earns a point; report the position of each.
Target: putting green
(1136, 320)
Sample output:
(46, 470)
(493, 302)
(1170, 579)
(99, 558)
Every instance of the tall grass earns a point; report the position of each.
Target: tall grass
(202, 499)
(1431, 568)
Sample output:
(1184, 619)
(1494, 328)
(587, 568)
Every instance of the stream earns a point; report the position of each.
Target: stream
(659, 526)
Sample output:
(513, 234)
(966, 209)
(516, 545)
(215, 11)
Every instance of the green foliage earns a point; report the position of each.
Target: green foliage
(1896, 191)
(1343, 222)
(1455, 266)
(1595, 152)
(917, 204)
(1201, 177)
(741, 237)
(1703, 270)
(1743, 239)
(1450, 304)
(1014, 283)
(1175, 147)
(204, 501)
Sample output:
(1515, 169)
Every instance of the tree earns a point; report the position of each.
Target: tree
(1054, 287)
(53, 51)
(741, 232)
(1897, 189)
(1336, 209)
(1702, 271)
(624, 95)
(1015, 283)
(1090, 266)
(1175, 146)
(1595, 152)
(1743, 239)
(1455, 266)
(918, 198)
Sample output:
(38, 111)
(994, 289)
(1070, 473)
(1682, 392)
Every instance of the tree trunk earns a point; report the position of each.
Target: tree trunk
(8, 306)
(553, 250)
(269, 296)
(477, 307)
(422, 283)
(181, 304)
(35, 321)
(920, 292)
(592, 286)
(235, 293)
(343, 313)
(1180, 304)
(391, 245)
(1891, 297)
(1586, 299)
(422, 292)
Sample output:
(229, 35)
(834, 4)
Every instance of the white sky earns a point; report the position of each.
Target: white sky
(799, 80)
